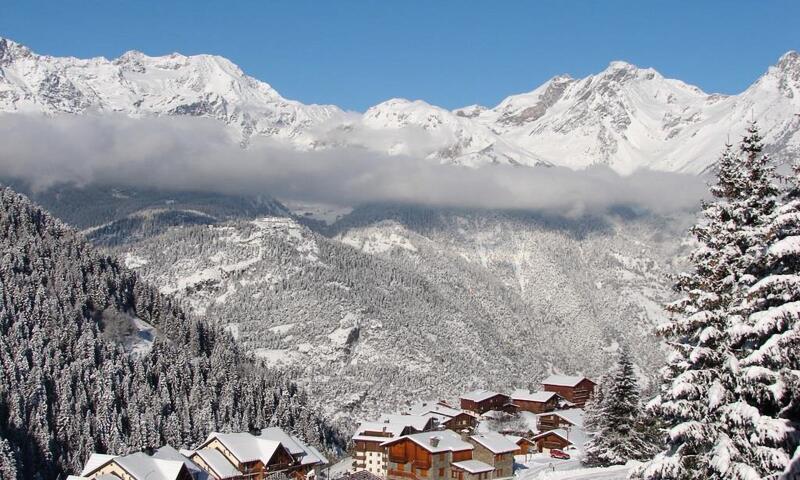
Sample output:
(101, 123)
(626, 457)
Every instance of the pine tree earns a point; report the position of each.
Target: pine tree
(766, 340)
(618, 438)
(699, 382)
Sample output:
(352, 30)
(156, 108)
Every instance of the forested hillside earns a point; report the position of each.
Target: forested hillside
(94, 359)
(406, 303)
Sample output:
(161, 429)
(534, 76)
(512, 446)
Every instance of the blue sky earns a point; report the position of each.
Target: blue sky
(450, 53)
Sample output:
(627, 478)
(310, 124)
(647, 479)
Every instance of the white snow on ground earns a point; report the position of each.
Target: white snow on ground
(142, 339)
(380, 238)
(326, 213)
(134, 261)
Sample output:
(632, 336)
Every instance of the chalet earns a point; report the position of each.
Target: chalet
(167, 452)
(471, 470)
(136, 466)
(249, 454)
(574, 389)
(307, 459)
(426, 456)
(566, 419)
(446, 416)
(546, 441)
(481, 401)
(369, 454)
(496, 450)
(524, 444)
(215, 463)
(417, 423)
(536, 402)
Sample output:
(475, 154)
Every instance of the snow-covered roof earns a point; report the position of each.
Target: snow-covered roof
(142, 466)
(313, 456)
(563, 380)
(95, 461)
(278, 435)
(560, 432)
(394, 429)
(479, 395)
(527, 396)
(216, 461)
(573, 415)
(473, 466)
(423, 408)
(417, 422)
(247, 447)
(444, 440)
(516, 439)
(167, 452)
(495, 442)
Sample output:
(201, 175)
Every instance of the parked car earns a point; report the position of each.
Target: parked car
(560, 454)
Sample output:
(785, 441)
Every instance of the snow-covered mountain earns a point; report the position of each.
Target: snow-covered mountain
(625, 117)
(139, 85)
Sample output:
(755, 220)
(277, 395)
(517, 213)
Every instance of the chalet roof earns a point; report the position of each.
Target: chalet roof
(167, 452)
(559, 432)
(495, 442)
(446, 441)
(95, 461)
(527, 396)
(313, 456)
(423, 408)
(278, 435)
(417, 422)
(563, 380)
(572, 415)
(517, 439)
(246, 447)
(142, 466)
(479, 395)
(361, 475)
(217, 462)
(395, 429)
(474, 466)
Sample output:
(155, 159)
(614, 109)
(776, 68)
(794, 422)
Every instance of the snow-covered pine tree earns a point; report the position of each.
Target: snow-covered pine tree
(594, 416)
(698, 383)
(766, 340)
(618, 439)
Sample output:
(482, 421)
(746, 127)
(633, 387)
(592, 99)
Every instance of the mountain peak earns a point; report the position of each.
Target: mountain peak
(621, 65)
(789, 61)
(11, 50)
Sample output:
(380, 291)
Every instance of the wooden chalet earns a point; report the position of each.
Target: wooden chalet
(566, 419)
(496, 450)
(576, 390)
(481, 401)
(524, 445)
(307, 459)
(426, 456)
(136, 466)
(552, 439)
(536, 402)
(249, 454)
(416, 423)
(472, 470)
(369, 454)
(448, 417)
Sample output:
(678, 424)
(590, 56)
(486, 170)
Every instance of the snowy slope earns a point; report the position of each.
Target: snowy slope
(625, 117)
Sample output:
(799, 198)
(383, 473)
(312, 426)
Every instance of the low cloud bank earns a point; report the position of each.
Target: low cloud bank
(196, 154)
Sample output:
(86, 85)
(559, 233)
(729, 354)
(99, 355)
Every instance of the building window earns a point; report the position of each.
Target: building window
(441, 472)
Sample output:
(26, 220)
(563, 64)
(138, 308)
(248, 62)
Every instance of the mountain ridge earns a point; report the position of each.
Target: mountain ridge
(625, 117)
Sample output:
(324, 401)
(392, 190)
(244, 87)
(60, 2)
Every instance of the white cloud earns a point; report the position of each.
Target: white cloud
(194, 153)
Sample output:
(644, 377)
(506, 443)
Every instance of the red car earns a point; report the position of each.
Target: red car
(560, 454)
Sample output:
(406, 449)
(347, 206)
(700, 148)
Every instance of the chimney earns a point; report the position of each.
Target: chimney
(384, 429)
(434, 441)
